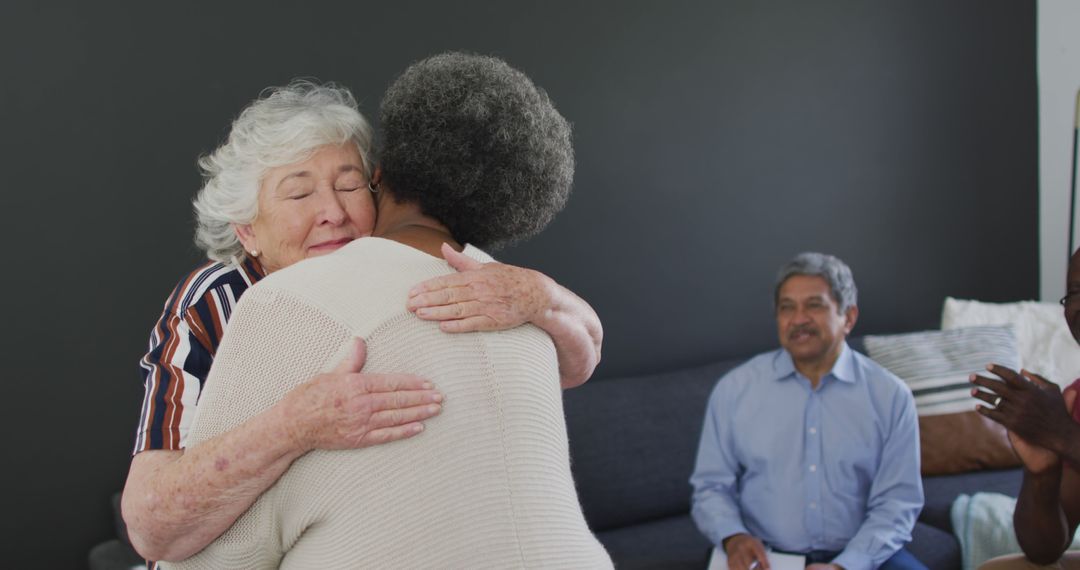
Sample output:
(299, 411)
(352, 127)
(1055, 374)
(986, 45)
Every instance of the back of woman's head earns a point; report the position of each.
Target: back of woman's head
(285, 125)
(477, 146)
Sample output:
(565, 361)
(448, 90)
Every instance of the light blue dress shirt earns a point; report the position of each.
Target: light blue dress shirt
(836, 468)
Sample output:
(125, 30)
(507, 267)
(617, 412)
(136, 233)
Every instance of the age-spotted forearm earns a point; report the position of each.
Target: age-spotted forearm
(175, 503)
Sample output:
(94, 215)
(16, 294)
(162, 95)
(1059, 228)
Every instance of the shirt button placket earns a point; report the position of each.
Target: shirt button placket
(812, 473)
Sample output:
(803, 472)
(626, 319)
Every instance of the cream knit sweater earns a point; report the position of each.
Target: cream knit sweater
(486, 485)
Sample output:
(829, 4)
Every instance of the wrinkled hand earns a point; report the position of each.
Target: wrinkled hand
(481, 297)
(742, 550)
(348, 409)
(1031, 408)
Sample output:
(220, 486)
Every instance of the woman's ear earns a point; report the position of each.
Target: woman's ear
(376, 177)
(246, 234)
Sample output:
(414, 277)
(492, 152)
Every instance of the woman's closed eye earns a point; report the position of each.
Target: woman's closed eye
(350, 181)
(296, 189)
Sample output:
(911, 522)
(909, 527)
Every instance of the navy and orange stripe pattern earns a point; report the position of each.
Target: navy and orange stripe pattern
(182, 347)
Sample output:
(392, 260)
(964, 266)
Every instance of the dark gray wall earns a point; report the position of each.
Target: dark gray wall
(714, 140)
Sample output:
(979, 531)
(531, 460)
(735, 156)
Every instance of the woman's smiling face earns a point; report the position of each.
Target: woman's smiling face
(310, 208)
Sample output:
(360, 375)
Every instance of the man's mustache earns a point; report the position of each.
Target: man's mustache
(800, 329)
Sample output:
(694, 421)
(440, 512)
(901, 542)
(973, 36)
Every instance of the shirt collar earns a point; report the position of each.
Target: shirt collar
(253, 268)
(843, 369)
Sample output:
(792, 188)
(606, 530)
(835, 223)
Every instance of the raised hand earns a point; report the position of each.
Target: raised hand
(1031, 408)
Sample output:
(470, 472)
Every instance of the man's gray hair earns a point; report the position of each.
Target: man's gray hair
(835, 272)
(285, 125)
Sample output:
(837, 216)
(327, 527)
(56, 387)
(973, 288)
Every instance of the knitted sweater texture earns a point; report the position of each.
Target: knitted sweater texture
(486, 485)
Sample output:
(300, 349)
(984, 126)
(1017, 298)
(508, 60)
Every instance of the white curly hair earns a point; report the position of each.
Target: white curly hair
(285, 125)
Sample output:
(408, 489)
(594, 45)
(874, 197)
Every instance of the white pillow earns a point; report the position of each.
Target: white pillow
(1046, 345)
(983, 524)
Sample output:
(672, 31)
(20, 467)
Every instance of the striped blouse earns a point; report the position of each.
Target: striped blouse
(182, 346)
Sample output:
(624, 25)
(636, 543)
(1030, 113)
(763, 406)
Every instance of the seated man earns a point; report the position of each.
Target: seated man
(1046, 437)
(812, 449)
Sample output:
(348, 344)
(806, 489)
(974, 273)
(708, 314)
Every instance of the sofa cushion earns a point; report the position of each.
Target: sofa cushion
(937, 549)
(941, 491)
(633, 443)
(963, 442)
(664, 543)
(936, 366)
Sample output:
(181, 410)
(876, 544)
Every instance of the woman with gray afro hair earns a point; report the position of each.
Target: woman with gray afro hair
(291, 185)
(474, 152)
(477, 146)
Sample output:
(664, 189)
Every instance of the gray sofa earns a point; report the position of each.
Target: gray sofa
(632, 445)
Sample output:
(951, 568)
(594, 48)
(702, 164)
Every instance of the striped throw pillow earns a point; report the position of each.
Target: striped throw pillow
(953, 437)
(936, 364)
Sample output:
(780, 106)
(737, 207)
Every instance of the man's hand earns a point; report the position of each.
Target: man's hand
(1030, 407)
(481, 296)
(822, 566)
(348, 409)
(743, 550)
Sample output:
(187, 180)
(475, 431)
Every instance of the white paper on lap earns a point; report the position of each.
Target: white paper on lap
(777, 561)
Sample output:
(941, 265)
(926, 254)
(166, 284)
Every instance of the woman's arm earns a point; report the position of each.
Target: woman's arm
(496, 296)
(1039, 520)
(177, 502)
(1042, 432)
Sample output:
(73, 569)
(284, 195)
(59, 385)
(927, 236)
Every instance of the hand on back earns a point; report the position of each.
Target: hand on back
(481, 296)
(349, 409)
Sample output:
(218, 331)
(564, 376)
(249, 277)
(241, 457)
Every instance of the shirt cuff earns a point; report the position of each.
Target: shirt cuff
(854, 561)
(717, 523)
(724, 531)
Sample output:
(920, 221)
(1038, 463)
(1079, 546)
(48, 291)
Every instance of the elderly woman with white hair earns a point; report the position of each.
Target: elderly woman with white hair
(474, 155)
(292, 182)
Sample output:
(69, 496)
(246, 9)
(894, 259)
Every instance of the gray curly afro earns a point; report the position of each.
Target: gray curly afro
(477, 146)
